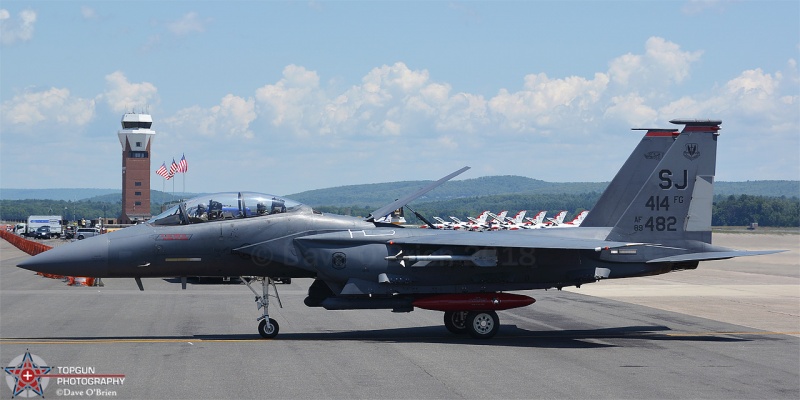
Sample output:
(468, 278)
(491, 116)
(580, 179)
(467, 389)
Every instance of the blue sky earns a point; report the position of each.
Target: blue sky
(281, 97)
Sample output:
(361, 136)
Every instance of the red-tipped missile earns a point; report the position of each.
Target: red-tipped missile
(473, 301)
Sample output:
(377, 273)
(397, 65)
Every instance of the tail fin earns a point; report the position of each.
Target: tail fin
(578, 220)
(674, 202)
(559, 218)
(520, 217)
(538, 218)
(630, 178)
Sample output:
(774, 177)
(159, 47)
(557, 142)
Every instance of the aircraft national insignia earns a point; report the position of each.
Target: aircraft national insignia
(339, 260)
(692, 151)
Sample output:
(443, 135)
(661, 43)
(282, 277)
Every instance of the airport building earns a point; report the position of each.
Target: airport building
(136, 137)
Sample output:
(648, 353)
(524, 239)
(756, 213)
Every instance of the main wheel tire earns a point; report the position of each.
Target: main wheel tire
(482, 324)
(268, 330)
(455, 321)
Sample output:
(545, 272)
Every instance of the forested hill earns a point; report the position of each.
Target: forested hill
(382, 193)
(378, 194)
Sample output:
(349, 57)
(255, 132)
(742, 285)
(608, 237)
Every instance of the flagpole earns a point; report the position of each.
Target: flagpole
(183, 168)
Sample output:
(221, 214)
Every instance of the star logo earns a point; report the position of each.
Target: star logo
(26, 375)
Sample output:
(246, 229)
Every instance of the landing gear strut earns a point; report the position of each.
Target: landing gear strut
(267, 327)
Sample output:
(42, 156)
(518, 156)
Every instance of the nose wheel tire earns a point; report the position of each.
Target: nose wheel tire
(268, 330)
(455, 321)
(482, 324)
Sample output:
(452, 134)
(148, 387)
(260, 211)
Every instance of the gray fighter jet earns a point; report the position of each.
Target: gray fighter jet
(654, 218)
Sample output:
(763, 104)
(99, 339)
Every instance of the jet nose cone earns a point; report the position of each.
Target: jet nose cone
(88, 257)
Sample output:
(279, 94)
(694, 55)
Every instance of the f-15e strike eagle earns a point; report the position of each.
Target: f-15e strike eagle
(654, 218)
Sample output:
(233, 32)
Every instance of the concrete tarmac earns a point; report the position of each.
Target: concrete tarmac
(728, 330)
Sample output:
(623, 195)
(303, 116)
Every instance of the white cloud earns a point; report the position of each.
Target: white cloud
(19, 30)
(662, 64)
(546, 102)
(43, 108)
(189, 23)
(753, 100)
(295, 102)
(631, 109)
(407, 111)
(123, 96)
(230, 118)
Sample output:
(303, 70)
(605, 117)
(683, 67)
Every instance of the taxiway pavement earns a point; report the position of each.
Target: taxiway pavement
(728, 330)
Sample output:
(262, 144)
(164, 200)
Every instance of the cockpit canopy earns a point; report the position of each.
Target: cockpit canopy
(222, 206)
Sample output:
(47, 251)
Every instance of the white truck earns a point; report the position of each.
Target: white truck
(35, 221)
(19, 229)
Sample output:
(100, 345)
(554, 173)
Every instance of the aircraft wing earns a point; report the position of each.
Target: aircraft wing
(405, 200)
(514, 239)
(510, 239)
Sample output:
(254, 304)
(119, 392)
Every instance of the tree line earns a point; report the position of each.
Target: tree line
(728, 210)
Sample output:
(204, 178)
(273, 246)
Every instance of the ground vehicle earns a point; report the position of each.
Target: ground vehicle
(19, 229)
(69, 232)
(42, 232)
(83, 233)
(35, 221)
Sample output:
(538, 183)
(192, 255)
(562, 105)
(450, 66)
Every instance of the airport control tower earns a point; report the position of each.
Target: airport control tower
(135, 138)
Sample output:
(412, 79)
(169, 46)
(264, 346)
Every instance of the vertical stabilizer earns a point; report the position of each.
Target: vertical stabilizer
(630, 178)
(674, 202)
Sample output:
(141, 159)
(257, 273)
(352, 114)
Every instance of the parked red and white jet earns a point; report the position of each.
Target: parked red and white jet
(574, 223)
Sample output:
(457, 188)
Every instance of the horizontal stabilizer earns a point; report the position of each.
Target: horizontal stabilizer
(714, 255)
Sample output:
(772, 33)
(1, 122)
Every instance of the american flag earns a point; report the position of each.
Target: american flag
(173, 168)
(162, 170)
(183, 166)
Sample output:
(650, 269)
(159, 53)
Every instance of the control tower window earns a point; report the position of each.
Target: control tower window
(136, 124)
(137, 154)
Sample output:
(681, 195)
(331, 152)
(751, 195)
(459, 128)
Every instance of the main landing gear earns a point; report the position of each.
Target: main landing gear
(473, 313)
(479, 324)
(267, 327)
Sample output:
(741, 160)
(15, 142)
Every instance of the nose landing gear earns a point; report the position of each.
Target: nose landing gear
(267, 327)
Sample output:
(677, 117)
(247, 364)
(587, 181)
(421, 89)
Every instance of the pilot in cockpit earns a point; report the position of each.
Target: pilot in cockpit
(278, 206)
(214, 210)
(201, 212)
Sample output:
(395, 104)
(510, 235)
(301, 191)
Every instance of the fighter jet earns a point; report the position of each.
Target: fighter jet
(654, 218)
